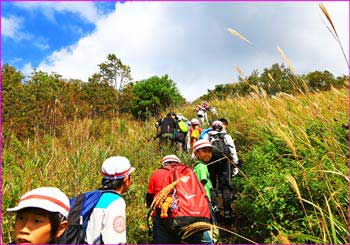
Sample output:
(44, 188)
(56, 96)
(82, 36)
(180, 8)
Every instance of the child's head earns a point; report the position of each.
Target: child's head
(41, 216)
(117, 174)
(218, 126)
(194, 123)
(170, 159)
(203, 150)
(224, 122)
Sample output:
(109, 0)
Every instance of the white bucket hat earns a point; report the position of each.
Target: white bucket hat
(194, 121)
(117, 167)
(217, 123)
(48, 198)
(170, 158)
(201, 144)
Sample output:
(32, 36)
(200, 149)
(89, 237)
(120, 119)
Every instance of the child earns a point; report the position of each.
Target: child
(203, 153)
(195, 131)
(41, 216)
(107, 223)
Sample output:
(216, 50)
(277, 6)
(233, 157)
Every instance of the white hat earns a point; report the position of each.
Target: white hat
(217, 123)
(201, 144)
(117, 167)
(47, 198)
(195, 121)
(170, 158)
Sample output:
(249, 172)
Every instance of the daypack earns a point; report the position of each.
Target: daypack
(79, 214)
(167, 125)
(183, 126)
(204, 132)
(220, 147)
(180, 136)
(190, 202)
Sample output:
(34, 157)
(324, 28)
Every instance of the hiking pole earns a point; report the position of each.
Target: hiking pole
(216, 160)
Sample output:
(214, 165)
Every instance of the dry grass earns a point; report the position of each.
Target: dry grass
(333, 31)
(239, 35)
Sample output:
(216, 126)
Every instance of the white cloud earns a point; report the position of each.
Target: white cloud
(11, 27)
(86, 10)
(190, 43)
(27, 69)
(42, 46)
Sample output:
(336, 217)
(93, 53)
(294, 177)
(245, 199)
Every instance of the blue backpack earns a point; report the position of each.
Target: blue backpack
(79, 214)
(204, 132)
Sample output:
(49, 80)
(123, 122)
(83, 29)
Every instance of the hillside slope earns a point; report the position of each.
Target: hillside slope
(291, 187)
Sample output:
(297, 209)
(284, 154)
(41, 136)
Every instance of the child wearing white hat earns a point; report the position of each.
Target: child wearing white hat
(107, 223)
(41, 216)
(203, 152)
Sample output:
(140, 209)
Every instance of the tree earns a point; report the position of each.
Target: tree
(114, 72)
(153, 95)
(13, 102)
(320, 80)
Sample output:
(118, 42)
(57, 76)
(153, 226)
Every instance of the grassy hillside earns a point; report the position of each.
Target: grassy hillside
(292, 186)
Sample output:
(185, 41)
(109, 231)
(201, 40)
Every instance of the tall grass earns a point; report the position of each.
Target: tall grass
(299, 136)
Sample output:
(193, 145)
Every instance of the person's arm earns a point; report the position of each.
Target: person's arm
(150, 191)
(231, 144)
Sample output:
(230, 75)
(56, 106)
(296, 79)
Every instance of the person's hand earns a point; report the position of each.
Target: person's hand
(234, 172)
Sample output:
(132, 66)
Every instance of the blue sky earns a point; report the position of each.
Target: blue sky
(188, 41)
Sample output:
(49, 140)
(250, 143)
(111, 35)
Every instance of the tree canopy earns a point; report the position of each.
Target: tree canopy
(276, 79)
(153, 95)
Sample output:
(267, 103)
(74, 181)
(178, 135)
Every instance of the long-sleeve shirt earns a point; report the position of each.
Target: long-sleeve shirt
(107, 222)
(228, 141)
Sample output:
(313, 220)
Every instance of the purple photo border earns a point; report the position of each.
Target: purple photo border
(348, 104)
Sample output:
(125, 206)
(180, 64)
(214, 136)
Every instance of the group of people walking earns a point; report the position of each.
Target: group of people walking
(178, 195)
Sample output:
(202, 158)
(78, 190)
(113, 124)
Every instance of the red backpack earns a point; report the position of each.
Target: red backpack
(190, 201)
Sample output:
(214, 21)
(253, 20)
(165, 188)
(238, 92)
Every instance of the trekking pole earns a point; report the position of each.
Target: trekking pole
(217, 160)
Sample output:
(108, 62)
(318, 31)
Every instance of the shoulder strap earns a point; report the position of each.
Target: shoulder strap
(74, 213)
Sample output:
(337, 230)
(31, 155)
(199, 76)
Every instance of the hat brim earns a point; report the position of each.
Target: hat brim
(132, 169)
(204, 146)
(45, 205)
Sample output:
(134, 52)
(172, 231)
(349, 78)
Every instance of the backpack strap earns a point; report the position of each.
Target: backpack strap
(74, 214)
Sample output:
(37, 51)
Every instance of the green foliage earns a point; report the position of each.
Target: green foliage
(274, 80)
(291, 187)
(113, 72)
(153, 95)
(46, 102)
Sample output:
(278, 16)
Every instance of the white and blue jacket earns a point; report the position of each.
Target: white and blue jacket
(107, 222)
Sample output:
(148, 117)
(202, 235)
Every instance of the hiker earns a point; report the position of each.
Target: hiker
(207, 130)
(225, 150)
(211, 109)
(170, 217)
(41, 216)
(237, 162)
(107, 223)
(201, 114)
(166, 128)
(181, 131)
(195, 131)
(155, 185)
(203, 152)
